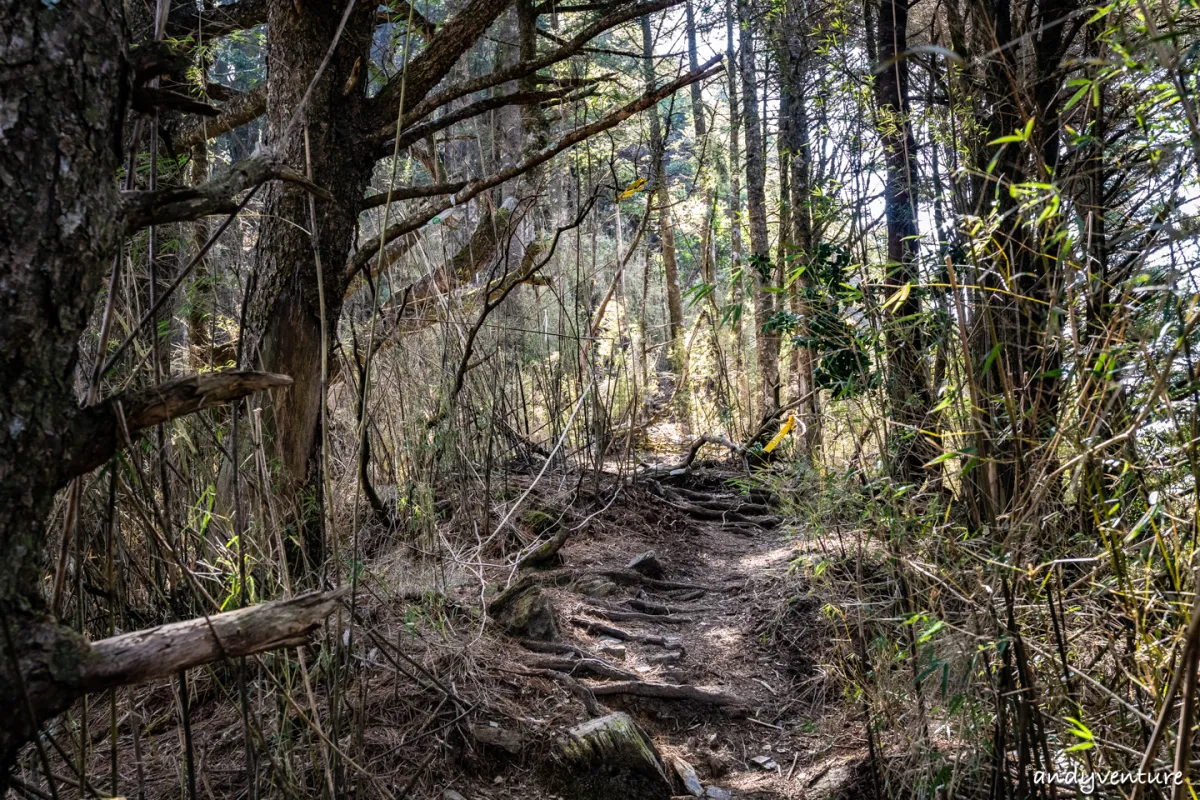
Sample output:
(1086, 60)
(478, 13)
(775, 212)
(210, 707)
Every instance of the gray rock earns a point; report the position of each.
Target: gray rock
(613, 648)
(450, 794)
(496, 736)
(669, 657)
(833, 782)
(717, 793)
(687, 774)
(765, 763)
(595, 586)
(530, 615)
(647, 564)
(612, 757)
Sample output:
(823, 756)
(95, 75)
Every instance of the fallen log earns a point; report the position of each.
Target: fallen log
(167, 649)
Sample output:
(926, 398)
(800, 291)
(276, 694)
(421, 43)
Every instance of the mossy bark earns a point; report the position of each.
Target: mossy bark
(612, 757)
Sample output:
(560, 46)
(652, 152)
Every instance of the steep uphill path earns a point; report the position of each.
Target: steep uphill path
(682, 609)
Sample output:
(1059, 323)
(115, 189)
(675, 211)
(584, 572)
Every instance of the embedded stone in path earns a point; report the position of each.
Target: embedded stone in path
(647, 564)
(496, 736)
(530, 615)
(687, 774)
(613, 648)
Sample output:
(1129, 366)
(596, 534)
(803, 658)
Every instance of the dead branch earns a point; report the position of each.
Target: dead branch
(164, 650)
(102, 428)
(480, 185)
(238, 111)
(218, 196)
(526, 68)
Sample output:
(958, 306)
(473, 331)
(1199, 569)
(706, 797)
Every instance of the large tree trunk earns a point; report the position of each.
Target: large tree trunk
(794, 131)
(1013, 333)
(284, 319)
(58, 157)
(767, 337)
(58, 167)
(737, 291)
(908, 383)
(666, 226)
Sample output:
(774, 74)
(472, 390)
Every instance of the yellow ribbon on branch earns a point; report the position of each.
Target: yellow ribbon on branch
(783, 431)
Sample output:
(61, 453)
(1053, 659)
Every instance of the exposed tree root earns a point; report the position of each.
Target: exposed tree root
(584, 693)
(617, 615)
(666, 691)
(593, 626)
(584, 667)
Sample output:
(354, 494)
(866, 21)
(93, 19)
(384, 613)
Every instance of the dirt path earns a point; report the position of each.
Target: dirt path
(724, 625)
(439, 703)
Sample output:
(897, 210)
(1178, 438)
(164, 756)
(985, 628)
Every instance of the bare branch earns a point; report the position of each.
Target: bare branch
(100, 429)
(238, 111)
(384, 139)
(525, 68)
(411, 193)
(440, 55)
(162, 651)
(218, 196)
(370, 248)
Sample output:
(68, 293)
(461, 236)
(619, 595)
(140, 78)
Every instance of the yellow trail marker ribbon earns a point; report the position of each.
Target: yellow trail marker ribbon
(784, 431)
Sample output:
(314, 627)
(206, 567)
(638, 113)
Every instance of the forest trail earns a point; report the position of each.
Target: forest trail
(719, 610)
(441, 704)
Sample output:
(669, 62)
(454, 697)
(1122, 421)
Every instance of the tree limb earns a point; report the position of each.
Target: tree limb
(100, 429)
(158, 652)
(411, 193)
(384, 139)
(217, 196)
(371, 248)
(524, 68)
(238, 111)
(420, 22)
(204, 21)
(148, 98)
(440, 55)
